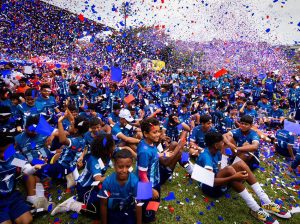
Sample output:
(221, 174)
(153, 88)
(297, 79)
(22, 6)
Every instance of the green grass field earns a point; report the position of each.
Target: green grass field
(191, 206)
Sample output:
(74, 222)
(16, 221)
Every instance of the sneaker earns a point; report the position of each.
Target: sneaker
(63, 207)
(263, 216)
(70, 180)
(42, 202)
(275, 209)
(68, 205)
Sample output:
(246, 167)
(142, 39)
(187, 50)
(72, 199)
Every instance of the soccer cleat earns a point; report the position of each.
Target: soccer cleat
(263, 216)
(275, 209)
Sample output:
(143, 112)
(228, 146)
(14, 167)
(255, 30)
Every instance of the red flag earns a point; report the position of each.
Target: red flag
(220, 73)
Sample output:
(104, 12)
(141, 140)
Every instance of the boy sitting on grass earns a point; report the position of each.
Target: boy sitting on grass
(234, 175)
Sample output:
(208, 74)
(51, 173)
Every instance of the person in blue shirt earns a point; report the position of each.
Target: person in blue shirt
(74, 95)
(90, 112)
(284, 143)
(148, 162)
(235, 175)
(123, 131)
(264, 107)
(7, 120)
(244, 142)
(74, 147)
(269, 83)
(197, 143)
(29, 106)
(230, 121)
(118, 193)
(91, 178)
(173, 127)
(249, 109)
(275, 117)
(46, 103)
(113, 117)
(13, 207)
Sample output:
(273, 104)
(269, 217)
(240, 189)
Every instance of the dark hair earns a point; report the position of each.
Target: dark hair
(247, 119)
(250, 103)
(116, 106)
(7, 137)
(23, 80)
(148, 123)
(74, 88)
(5, 109)
(72, 107)
(94, 121)
(212, 138)
(171, 119)
(44, 86)
(31, 92)
(103, 146)
(81, 124)
(15, 96)
(205, 118)
(122, 154)
(31, 120)
(92, 106)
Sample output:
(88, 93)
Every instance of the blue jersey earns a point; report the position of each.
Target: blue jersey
(148, 160)
(276, 113)
(72, 152)
(209, 161)
(269, 84)
(115, 118)
(46, 105)
(91, 170)
(229, 123)
(198, 135)
(264, 106)
(240, 138)
(8, 174)
(117, 129)
(252, 113)
(32, 148)
(171, 130)
(122, 198)
(284, 138)
(25, 111)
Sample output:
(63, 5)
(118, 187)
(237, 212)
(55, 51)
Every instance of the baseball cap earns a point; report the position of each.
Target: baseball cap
(124, 113)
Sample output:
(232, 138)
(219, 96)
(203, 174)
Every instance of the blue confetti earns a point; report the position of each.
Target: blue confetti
(74, 215)
(268, 30)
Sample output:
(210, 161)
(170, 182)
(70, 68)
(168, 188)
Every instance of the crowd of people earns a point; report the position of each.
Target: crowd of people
(110, 140)
(67, 125)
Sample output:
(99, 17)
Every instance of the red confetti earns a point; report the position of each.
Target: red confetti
(206, 200)
(220, 73)
(81, 17)
(83, 206)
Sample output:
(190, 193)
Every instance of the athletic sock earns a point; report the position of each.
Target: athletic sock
(261, 193)
(251, 203)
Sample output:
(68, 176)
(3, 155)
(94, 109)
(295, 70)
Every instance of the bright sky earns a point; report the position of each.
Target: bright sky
(277, 22)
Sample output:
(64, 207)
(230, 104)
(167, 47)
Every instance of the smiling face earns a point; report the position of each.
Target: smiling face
(45, 93)
(30, 101)
(122, 166)
(153, 135)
